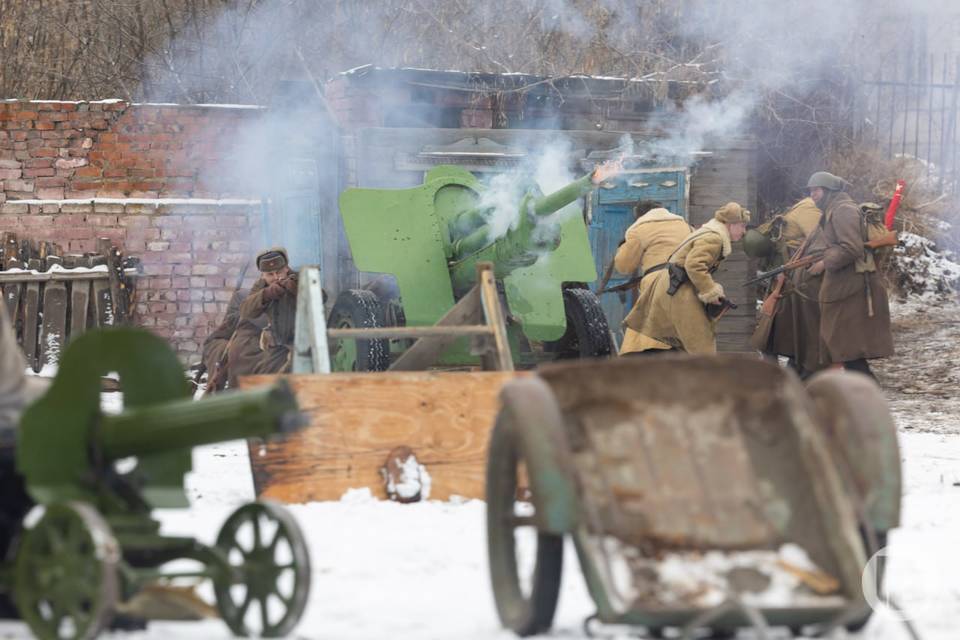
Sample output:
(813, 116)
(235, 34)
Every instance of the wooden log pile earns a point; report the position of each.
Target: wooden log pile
(52, 296)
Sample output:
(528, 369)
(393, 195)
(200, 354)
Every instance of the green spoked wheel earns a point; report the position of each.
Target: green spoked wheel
(525, 563)
(65, 573)
(265, 590)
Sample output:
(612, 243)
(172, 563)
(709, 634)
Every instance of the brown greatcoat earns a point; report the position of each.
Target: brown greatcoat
(648, 242)
(215, 345)
(847, 331)
(796, 326)
(282, 314)
(681, 319)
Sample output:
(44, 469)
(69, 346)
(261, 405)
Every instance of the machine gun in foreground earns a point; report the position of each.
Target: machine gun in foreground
(432, 237)
(89, 549)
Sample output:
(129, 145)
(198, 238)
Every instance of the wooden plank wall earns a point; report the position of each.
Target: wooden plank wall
(53, 297)
(728, 175)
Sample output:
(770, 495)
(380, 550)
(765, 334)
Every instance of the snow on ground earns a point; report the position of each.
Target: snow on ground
(419, 572)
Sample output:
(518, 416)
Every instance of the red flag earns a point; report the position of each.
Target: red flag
(894, 205)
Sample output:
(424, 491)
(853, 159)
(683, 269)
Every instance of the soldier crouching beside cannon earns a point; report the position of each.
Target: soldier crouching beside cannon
(257, 333)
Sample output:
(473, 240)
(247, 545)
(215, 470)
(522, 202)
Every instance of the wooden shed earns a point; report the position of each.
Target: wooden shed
(390, 126)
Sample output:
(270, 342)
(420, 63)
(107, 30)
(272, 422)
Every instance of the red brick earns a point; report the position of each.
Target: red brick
(50, 193)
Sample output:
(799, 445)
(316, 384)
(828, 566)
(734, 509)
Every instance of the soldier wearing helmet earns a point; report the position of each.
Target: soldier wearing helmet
(854, 312)
(795, 330)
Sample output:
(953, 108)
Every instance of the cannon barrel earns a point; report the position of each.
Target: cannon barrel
(553, 202)
(521, 245)
(183, 424)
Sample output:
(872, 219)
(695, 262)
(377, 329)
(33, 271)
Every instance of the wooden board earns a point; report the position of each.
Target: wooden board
(356, 419)
(102, 304)
(79, 300)
(11, 297)
(54, 331)
(31, 320)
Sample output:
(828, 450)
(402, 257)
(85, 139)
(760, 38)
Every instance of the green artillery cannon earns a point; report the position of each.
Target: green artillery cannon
(703, 495)
(89, 551)
(431, 238)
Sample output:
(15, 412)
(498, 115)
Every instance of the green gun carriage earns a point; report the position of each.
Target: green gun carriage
(644, 462)
(431, 238)
(82, 550)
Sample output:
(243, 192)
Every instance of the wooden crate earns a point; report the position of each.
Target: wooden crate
(357, 419)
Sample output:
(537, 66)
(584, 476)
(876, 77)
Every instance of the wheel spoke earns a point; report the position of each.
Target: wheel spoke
(257, 539)
(247, 599)
(280, 534)
(264, 617)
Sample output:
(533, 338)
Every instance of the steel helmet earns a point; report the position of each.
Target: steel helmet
(757, 245)
(826, 180)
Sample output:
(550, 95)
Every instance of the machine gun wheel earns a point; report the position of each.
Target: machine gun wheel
(65, 573)
(268, 562)
(587, 334)
(358, 309)
(526, 603)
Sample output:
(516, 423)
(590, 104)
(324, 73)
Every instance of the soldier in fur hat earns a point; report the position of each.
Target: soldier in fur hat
(673, 308)
(273, 296)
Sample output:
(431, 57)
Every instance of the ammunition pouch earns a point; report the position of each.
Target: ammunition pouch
(678, 275)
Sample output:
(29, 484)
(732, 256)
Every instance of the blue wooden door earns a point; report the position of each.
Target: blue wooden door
(611, 215)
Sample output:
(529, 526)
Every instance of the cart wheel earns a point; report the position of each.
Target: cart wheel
(268, 563)
(862, 436)
(358, 309)
(587, 334)
(525, 603)
(65, 573)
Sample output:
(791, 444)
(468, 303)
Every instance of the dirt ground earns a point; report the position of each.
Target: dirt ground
(923, 379)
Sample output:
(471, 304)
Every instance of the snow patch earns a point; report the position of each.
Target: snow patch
(923, 271)
(412, 482)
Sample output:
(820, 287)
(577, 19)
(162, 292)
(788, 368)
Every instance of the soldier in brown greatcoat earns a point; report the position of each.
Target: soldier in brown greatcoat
(795, 331)
(854, 313)
(647, 244)
(678, 315)
(274, 296)
(233, 349)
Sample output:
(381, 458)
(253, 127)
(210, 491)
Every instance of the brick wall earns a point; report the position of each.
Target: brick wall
(151, 178)
(192, 252)
(53, 150)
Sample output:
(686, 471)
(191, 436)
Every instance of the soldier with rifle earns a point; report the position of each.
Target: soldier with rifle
(789, 320)
(854, 312)
(683, 302)
(647, 244)
(274, 297)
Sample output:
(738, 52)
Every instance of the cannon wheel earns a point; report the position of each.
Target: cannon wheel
(531, 612)
(358, 309)
(264, 547)
(65, 573)
(587, 334)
